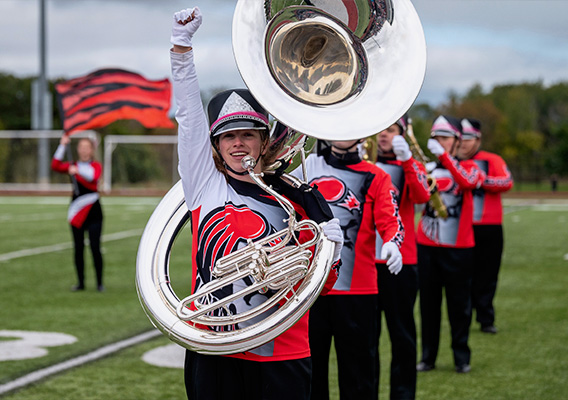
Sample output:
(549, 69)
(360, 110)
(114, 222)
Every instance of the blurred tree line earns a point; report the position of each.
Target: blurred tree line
(527, 124)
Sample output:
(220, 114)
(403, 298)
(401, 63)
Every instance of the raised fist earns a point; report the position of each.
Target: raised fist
(185, 24)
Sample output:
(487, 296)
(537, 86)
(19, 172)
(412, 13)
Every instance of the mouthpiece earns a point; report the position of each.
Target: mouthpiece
(248, 162)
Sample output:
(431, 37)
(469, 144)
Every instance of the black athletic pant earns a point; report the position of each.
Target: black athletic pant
(226, 378)
(452, 269)
(397, 296)
(94, 229)
(487, 262)
(351, 321)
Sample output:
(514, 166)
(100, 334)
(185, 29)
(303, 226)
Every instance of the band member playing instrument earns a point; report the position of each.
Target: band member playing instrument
(397, 293)
(85, 212)
(227, 208)
(445, 248)
(487, 222)
(362, 197)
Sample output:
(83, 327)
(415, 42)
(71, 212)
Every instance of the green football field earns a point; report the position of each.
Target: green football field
(58, 344)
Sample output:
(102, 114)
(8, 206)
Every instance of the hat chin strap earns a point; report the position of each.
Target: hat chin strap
(243, 173)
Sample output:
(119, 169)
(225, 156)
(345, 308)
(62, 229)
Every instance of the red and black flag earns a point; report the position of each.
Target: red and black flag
(106, 95)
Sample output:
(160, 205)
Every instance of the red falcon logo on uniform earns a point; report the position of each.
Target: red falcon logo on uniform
(228, 226)
(330, 188)
(351, 202)
(444, 184)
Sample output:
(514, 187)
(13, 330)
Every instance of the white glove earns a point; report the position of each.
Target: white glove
(186, 23)
(431, 166)
(391, 253)
(332, 230)
(435, 147)
(401, 148)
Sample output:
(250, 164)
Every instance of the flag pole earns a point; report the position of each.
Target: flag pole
(70, 159)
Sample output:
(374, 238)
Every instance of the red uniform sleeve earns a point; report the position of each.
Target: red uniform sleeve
(385, 212)
(331, 278)
(59, 166)
(499, 178)
(416, 181)
(466, 173)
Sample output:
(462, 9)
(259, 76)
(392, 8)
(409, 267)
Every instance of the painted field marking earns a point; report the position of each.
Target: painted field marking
(67, 245)
(168, 356)
(76, 362)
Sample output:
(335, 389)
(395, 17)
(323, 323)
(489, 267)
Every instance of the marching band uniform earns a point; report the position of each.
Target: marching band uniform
(85, 213)
(487, 227)
(225, 213)
(445, 251)
(397, 293)
(362, 197)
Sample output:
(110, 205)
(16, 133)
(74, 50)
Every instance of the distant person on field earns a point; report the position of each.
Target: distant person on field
(487, 222)
(362, 196)
(85, 213)
(445, 248)
(397, 293)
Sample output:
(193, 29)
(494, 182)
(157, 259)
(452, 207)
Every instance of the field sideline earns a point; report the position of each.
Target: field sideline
(525, 360)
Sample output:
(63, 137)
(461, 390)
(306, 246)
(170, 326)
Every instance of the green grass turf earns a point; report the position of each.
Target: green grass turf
(525, 360)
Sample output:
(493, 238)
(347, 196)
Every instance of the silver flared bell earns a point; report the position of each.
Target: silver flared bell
(334, 69)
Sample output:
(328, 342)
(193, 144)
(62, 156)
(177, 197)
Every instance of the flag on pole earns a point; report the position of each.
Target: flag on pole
(106, 95)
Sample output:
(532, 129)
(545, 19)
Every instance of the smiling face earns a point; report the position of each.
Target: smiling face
(236, 144)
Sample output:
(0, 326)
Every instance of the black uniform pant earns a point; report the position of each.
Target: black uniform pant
(452, 269)
(94, 229)
(222, 378)
(397, 296)
(351, 321)
(487, 262)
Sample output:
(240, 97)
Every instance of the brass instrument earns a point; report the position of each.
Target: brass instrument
(323, 70)
(370, 149)
(435, 201)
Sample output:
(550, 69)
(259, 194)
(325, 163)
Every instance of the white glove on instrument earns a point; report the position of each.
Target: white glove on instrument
(186, 23)
(435, 147)
(401, 148)
(391, 253)
(332, 230)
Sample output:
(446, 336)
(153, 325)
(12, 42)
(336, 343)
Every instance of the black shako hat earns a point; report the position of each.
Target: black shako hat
(235, 109)
(446, 125)
(403, 124)
(471, 128)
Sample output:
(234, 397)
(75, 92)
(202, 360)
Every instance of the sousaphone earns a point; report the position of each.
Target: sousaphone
(332, 70)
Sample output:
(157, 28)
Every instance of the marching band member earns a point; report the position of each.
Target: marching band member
(487, 222)
(362, 197)
(227, 208)
(397, 293)
(445, 248)
(85, 212)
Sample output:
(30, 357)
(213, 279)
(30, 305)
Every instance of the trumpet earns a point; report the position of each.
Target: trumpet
(435, 201)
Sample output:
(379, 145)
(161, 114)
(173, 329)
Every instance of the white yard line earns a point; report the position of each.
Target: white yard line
(67, 245)
(76, 362)
(58, 200)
